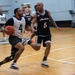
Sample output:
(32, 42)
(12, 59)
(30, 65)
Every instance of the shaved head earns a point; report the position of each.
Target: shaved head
(40, 6)
(39, 2)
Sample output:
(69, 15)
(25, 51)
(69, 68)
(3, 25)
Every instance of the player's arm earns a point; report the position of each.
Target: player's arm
(52, 21)
(34, 20)
(9, 22)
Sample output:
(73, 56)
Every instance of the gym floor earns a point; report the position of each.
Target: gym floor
(61, 58)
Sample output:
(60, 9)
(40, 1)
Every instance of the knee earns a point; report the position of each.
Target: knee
(22, 49)
(48, 45)
(10, 58)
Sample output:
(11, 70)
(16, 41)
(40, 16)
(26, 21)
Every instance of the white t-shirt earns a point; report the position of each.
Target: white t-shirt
(19, 26)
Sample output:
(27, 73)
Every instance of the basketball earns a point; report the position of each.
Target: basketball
(10, 30)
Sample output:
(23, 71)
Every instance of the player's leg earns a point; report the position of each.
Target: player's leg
(36, 46)
(17, 43)
(4, 36)
(47, 44)
(20, 48)
(9, 58)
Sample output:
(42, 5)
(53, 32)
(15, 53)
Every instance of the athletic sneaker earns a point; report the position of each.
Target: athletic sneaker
(44, 64)
(14, 66)
(26, 41)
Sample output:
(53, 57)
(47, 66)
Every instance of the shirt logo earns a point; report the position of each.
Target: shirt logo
(43, 19)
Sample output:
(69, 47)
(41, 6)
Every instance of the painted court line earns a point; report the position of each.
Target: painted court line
(64, 62)
(30, 55)
(61, 61)
(42, 52)
(62, 48)
(67, 58)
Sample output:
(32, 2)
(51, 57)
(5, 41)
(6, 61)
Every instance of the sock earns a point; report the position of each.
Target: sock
(14, 61)
(45, 58)
(1, 63)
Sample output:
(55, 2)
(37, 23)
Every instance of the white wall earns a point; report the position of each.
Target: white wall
(59, 8)
(6, 6)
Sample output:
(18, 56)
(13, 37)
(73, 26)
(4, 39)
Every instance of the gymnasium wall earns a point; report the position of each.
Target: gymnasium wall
(6, 7)
(59, 8)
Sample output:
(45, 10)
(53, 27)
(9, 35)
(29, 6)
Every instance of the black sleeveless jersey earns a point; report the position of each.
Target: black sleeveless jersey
(43, 27)
(28, 19)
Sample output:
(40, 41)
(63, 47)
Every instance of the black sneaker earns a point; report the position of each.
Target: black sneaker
(44, 64)
(14, 66)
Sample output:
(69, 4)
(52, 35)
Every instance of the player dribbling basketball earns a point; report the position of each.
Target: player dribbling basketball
(17, 47)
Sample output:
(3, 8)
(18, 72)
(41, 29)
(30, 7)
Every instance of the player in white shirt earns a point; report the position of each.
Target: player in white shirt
(17, 47)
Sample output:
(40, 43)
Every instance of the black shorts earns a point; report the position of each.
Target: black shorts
(13, 40)
(45, 39)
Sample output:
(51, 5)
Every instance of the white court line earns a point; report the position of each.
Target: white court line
(62, 48)
(64, 62)
(30, 55)
(43, 50)
(67, 58)
(51, 58)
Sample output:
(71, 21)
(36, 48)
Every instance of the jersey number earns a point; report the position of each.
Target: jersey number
(45, 25)
(20, 27)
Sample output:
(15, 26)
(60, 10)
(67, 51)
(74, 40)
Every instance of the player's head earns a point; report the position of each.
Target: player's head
(27, 10)
(40, 6)
(18, 12)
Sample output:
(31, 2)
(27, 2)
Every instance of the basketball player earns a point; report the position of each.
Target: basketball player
(2, 23)
(17, 47)
(42, 17)
(28, 18)
(35, 26)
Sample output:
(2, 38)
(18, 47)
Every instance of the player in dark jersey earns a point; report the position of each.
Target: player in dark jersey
(17, 47)
(28, 18)
(43, 17)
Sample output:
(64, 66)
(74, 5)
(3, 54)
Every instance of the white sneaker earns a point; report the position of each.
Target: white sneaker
(25, 41)
(44, 64)
(14, 66)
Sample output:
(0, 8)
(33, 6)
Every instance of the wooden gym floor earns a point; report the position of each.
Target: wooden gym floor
(61, 58)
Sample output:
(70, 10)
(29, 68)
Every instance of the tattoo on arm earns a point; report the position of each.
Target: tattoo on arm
(51, 20)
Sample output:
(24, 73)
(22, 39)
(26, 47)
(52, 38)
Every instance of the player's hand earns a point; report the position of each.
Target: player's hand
(59, 28)
(5, 30)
